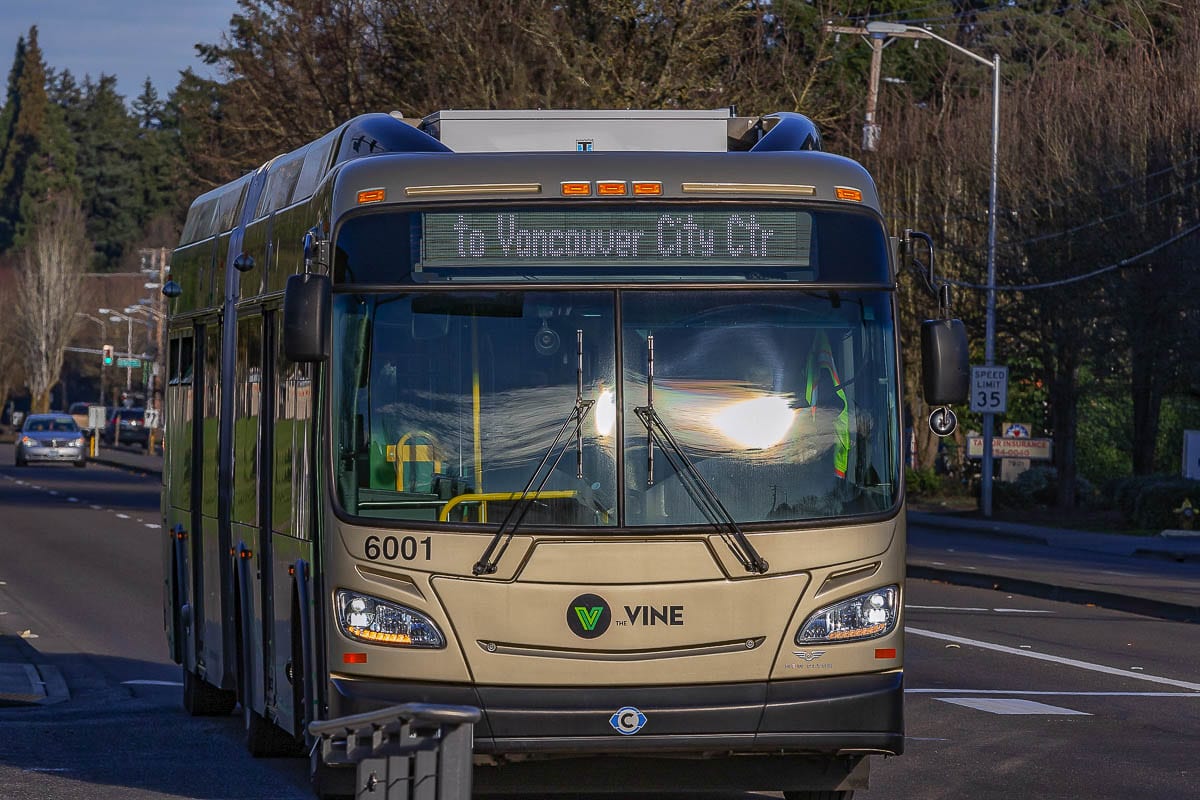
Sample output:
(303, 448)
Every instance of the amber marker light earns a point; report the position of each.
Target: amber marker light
(610, 188)
(646, 188)
(576, 188)
(847, 193)
(371, 196)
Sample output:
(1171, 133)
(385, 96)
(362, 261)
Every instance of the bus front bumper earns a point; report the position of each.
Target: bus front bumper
(831, 716)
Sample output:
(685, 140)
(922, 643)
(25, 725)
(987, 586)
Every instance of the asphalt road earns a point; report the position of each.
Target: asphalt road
(1008, 696)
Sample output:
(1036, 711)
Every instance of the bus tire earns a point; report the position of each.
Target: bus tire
(202, 699)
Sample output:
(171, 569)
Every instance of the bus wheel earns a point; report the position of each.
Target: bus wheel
(202, 699)
(809, 795)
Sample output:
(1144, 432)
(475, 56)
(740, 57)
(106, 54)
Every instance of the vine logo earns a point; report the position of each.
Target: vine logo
(588, 616)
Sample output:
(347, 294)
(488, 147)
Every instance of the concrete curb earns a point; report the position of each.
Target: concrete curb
(112, 462)
(1177, 549)
(1159, 609)
(24, 679)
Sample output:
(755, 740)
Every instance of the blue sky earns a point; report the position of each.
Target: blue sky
(132, 39)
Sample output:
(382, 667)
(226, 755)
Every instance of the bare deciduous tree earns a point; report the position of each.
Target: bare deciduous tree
(49, 280)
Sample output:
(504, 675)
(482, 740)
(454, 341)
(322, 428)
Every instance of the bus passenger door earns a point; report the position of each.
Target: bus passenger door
(179, 402)
(252, 549)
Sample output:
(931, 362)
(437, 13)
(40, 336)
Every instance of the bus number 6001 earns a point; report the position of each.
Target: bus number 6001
(396, 547)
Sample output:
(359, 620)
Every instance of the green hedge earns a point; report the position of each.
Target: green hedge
(1156, 503)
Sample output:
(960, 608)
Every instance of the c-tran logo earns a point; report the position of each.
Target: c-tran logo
(627, 720)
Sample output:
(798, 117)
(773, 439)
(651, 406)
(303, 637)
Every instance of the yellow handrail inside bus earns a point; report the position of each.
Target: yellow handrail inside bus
(409, 451)
(484, 497)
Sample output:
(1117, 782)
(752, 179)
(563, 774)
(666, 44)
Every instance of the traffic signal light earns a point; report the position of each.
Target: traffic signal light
(108, 355)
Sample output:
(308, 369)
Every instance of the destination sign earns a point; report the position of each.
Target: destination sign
(583, 237)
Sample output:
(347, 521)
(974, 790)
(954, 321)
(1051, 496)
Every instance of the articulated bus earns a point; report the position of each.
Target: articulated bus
(588, 420)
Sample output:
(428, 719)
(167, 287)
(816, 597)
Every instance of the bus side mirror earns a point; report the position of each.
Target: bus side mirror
(945, 367)
(306, 301)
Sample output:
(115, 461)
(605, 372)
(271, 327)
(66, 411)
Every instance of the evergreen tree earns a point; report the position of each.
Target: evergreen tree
(38, 155)
(158, 166)
(109, 170)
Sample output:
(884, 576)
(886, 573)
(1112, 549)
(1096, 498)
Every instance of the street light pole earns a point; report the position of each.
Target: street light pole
(880, 35)
(103, 341)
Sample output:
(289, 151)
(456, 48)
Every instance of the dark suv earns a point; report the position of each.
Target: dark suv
(133, 430)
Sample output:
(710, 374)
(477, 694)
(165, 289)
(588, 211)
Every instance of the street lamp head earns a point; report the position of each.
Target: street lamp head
(889, 27)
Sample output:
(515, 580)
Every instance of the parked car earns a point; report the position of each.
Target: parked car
(51, 437)
(126, 426)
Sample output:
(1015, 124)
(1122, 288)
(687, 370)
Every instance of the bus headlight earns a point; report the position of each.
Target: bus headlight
(369, 619)
(867, 616)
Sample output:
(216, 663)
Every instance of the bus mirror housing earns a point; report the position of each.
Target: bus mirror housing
(945, 367)
(306, 301)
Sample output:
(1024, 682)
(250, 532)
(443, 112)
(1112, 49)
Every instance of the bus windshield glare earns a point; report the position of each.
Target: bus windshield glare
(445, 403)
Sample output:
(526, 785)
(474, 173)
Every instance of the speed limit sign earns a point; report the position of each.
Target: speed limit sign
(989, 389)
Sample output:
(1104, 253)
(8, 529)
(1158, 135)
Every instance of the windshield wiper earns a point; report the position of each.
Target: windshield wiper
(693, 482)
(490, 560)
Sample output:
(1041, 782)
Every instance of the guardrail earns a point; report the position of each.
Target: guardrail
(413, 751)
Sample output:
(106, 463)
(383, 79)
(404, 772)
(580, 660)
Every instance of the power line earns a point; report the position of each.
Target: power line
(1125, 262)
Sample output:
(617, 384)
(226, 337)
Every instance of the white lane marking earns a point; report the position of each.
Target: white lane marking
(1021, 611)
(153, 525)
(1039, 693)
(72, 499)
(94, 507)
(1011, 705)
(53, 492)
(977, 608)
(1000, 558)
(1070, 662)
(945, 608)
(122, 516)
(148, 682)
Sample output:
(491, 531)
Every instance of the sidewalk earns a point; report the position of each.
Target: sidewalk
(1151, 575)
(135, 460)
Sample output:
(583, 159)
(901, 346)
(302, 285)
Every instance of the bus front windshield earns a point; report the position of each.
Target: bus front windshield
(783, 401)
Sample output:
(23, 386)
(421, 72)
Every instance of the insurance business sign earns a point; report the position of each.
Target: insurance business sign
(1006, 447)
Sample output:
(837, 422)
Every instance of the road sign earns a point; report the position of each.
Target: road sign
(989, 389)
(129, 362)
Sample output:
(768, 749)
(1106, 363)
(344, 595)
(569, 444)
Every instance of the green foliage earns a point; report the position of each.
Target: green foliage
(38, 158)
(1157, 502)
(1122, 493)
(106, 136)
(1105, 428)
(922, 482)
(1038, 486)
(1179, 414)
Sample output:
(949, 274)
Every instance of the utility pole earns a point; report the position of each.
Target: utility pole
(878, 37)
(881, 35)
